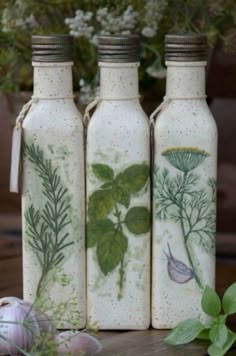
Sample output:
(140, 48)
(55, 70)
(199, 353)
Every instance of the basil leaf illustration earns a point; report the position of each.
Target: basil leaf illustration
(107, 185)
(185, 332)
(100, 204)
(211, 304)
(111, 248)
(138, 220)
(120, 195)
(133, 178)
(229, 300)
(97, 229)
(218, 335)
(103, 172)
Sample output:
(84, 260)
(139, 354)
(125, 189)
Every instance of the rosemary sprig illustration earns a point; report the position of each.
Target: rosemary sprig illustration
(176, 198)
(46, 228)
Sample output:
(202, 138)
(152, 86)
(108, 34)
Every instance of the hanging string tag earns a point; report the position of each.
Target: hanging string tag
(158, 109)
(89, 107)
(16, 148)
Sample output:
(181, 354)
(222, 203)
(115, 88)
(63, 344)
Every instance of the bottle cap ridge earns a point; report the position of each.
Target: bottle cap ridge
(118, 48)
(186, 48)
(55, 48)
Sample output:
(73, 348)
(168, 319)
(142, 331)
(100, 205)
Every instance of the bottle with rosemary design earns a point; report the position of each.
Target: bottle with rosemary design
(118, 193)
(53, 192)
(184, 187)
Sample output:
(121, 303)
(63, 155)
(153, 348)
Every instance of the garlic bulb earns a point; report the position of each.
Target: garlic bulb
(76, 343)
(19, 324)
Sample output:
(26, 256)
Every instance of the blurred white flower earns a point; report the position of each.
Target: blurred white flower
(148, 32)
(152, 14)
(13, 17)
(106, 23)
(156, 70)
(87, 92)
(79, 25)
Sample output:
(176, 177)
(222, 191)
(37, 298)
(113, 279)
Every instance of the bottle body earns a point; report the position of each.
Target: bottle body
(118, 206)
(53, 211)
(184, 200)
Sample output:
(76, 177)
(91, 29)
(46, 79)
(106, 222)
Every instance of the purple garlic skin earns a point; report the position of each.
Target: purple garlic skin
(19, 324)
(177, 270)
(77, 342)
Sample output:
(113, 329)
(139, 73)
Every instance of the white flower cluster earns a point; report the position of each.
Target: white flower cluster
(106, 23)
(79, 25)
(152, 14)
(87, 92)
(156, 70)
(13, 17)
(111, 23)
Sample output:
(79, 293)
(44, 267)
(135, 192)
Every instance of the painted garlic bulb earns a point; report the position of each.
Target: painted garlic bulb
(19, 324)
(177, 270)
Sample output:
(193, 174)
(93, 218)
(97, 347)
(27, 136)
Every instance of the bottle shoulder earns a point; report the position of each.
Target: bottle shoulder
(117, 113)
(53, 113)
(195, 114)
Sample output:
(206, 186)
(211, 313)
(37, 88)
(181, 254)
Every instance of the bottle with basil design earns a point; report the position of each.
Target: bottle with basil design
(184, 187)
(118, 193)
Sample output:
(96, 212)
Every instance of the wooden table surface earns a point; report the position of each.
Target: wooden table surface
(120, 343)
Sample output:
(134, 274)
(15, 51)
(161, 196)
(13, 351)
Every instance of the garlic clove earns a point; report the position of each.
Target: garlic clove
(11, 301)
(77, 342)
(14, 332)
(25, 323)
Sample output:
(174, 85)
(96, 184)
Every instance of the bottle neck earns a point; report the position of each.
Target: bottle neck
(119, 81)
(53, 80)
(185, 80)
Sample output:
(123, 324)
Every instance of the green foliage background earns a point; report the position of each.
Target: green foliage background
(215, 17)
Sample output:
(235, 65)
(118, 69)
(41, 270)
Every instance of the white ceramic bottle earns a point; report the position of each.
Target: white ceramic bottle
(53, 193)
(184, 187)
(118, 194)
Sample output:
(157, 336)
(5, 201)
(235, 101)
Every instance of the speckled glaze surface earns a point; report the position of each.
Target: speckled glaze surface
(118, 204)
(184, 198)
(53, 195)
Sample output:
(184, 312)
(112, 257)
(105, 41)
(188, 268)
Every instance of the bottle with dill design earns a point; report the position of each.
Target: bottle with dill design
(53, 189)
(184, 187)
(118, 193)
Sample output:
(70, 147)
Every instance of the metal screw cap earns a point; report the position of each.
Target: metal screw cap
(118, 48)
(186, 48)
(55, 48)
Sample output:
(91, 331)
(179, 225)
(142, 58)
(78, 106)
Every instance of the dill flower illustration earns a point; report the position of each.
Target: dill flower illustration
(185, 159)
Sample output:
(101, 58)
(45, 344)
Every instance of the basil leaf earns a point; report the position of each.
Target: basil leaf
(211, 304)
(214, 350)
(218, 335)
(185, 332)
(134, 178)
(97, 229)
(103, 172)
(204, 335)
(120, 195)
(229, 300)
(100, 204)
(230, 341)
(217, 350)
(137, 220)
(111, 248)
